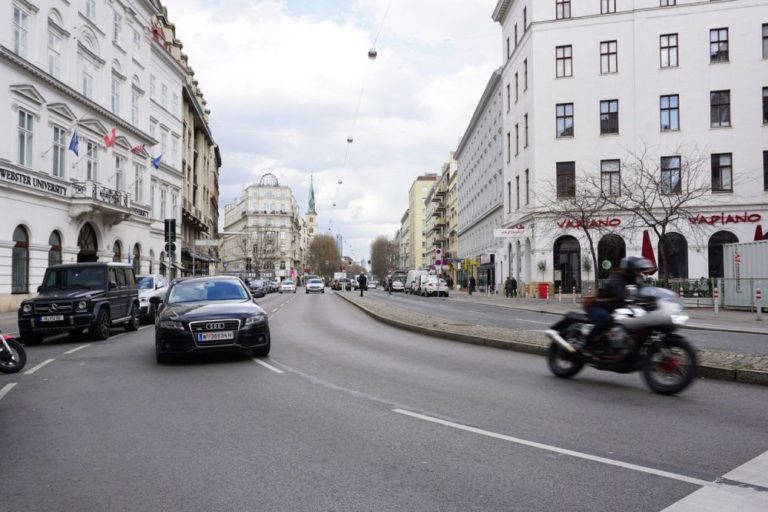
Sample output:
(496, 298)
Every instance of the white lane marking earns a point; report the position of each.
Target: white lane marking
(77, 348)
(732, 497)
(33, 370)
(4, 391)
(531, 321)
(117, 335)
(145, 327)
(555, 449)
(268, 366)
(275, 310)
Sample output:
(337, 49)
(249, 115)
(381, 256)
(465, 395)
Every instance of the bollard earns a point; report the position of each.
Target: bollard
(680, 293)
(716, 300)
(573, 296)
(759, 304)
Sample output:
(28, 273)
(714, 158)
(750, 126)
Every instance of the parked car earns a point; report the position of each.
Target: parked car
(288, 286)
(206, 314)
(258, 288)
(344, 284)
(433, 286)
(372, 285)
(412, 280)
(150, 285)
(397, 285)
(315, 285)
(78, 296)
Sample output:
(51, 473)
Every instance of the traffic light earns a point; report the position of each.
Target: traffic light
(248, 266)
(170, 248)
(170, 230)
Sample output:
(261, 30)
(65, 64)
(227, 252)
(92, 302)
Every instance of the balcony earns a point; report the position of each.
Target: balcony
(114, 206)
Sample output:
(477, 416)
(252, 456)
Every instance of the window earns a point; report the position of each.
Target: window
(608, 57)
(134, 107)
(175, 204)
(25, 138)
(670, 112)
(516, 38)
(175, 104)
(163, 141)
(20, 31)
(117, 28)
(525, 72)
(564, 61)
(562, 9)
(525, 19)
(667, 3)
(136, 40)
(119, 166)
(138, 183)
(152, 87)
(174, 150)
(54, 54)
(86, 80)
(722, 172)
(90, 8)
(566, 179)
(609, 116)
(54, 251)
(517, 192)
(115, 98)
(765, 105)
(607, 6)
(610, 177)
(517, 139)
(526, 130)
(718, 45)
(164, 95)
(92, 164)
(517, 87)
(509, 147)
(564, 113)
(20, 261)
(152, 193)
(509, 98)
(668, 50)
(527, 187)
(670, 175)
(509, 197)
(509, 50)
(765, 170)
(163, 198)
(59, 151)
(765, 40)
(720, 108)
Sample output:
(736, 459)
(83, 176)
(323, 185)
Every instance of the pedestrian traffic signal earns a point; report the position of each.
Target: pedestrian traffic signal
(170, 248)
(170, 230)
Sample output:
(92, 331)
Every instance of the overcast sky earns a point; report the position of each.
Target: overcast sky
(283, 79)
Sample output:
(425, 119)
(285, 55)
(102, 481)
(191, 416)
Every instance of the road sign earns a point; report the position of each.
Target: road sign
(170, 248)
(206, 243)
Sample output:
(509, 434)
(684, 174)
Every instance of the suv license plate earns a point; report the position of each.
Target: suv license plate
(216, 336)
(52, 318)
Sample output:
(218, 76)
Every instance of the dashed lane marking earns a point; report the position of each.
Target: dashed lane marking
(267, 366)
(5, 389)
(145, 327)
(33, 370)
(77, 348)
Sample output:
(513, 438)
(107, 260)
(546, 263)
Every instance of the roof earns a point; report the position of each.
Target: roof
(93, 264)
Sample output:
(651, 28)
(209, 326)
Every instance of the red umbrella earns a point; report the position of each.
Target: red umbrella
(758, 232)
(648, 250)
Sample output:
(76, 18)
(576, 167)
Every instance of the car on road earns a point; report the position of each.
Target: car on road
(412, 280)
(207, 314)
(433, 286)
(315, 285)
(150, 285)
(373, 285)
(397, 285)
(258, 288)
(77, 296)
(288, 286)
(343, 284)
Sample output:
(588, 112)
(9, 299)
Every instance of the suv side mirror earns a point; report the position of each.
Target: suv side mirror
(155, 300)
(39, 289)
(112, 285)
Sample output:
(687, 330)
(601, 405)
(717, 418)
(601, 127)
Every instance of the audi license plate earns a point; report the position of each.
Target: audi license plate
(216, 336)
(52, 318)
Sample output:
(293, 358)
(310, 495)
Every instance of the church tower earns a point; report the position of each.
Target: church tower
(311, 215)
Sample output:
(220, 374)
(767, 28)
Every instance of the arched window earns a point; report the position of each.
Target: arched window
(673, 256)
(610, 251)
(136, 259)
(88, 244)
(117, 249)
(54, 252)
(567, 263)
(20, 261)
(151, 262)
(715, 250)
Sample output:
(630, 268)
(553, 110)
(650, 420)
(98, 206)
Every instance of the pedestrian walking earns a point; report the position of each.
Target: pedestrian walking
(389, 284)
(362, 282)
(508, 287)
(514, 287)
(472, 283)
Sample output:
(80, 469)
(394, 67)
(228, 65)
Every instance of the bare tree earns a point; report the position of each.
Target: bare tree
(324, 257)
(384, 255)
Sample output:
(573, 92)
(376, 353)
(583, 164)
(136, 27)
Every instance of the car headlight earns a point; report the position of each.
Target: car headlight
(257, 319)
(26, 308)
(82, 305)
(172, 324)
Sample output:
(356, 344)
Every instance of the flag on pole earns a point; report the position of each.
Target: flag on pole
(74, 143)
(156, 161)
(109, 140)
(137, 150)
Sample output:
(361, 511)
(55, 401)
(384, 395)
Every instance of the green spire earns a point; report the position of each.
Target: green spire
(311, 210)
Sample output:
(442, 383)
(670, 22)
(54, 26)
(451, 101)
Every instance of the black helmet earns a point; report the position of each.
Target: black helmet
(635, 265)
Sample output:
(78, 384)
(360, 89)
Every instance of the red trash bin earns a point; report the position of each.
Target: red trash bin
(543, 289)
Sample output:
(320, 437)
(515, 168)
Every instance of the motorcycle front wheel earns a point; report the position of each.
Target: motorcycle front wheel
(15, 360)
(562, 363)
(670, 366)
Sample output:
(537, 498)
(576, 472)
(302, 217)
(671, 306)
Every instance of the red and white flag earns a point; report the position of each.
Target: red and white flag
(109, 140)
(137, 150)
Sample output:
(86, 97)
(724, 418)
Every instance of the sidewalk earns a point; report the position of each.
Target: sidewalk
(713, 364)
(701, 318)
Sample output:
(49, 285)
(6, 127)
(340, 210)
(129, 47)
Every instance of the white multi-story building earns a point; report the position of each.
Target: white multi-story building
(83, 66)
(587, 84)
(480, 182)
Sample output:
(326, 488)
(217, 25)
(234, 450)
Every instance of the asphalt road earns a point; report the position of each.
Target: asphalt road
(351, 415)
(483, 314)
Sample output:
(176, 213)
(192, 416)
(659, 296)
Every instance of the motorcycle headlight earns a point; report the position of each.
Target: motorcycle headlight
(82, 305)
(256, 319)
(26, 308)
(172, 324)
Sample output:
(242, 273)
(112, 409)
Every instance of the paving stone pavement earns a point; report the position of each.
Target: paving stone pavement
(713, 364)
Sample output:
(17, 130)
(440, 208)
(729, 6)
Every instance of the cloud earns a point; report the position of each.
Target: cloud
(283, 79)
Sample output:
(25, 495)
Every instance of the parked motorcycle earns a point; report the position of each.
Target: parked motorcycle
(13, 357)
(642, 339)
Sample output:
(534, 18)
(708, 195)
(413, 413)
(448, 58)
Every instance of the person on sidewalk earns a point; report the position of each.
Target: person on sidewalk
(389, 284)
(471, 284)
(514, 287)
(508, 287)
(362, 282)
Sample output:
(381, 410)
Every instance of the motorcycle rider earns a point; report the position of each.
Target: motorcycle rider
(613, 294)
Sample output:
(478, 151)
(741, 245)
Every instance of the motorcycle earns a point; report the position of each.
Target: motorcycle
(642, 338)
(13, 357)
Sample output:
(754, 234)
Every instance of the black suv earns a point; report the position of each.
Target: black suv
(75, 297)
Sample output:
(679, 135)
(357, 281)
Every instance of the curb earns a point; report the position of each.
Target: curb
(704, 371)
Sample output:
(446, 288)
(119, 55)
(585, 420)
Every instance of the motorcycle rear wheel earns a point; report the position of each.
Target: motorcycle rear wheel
(562, 363)
(15, 361)
(670, 367)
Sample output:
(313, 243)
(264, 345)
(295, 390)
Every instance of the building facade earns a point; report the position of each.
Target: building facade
(76, 147)
(452, 254)
(609, 81)
(436, 222)
(480, 169)
(404, 241)
(417, 243)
